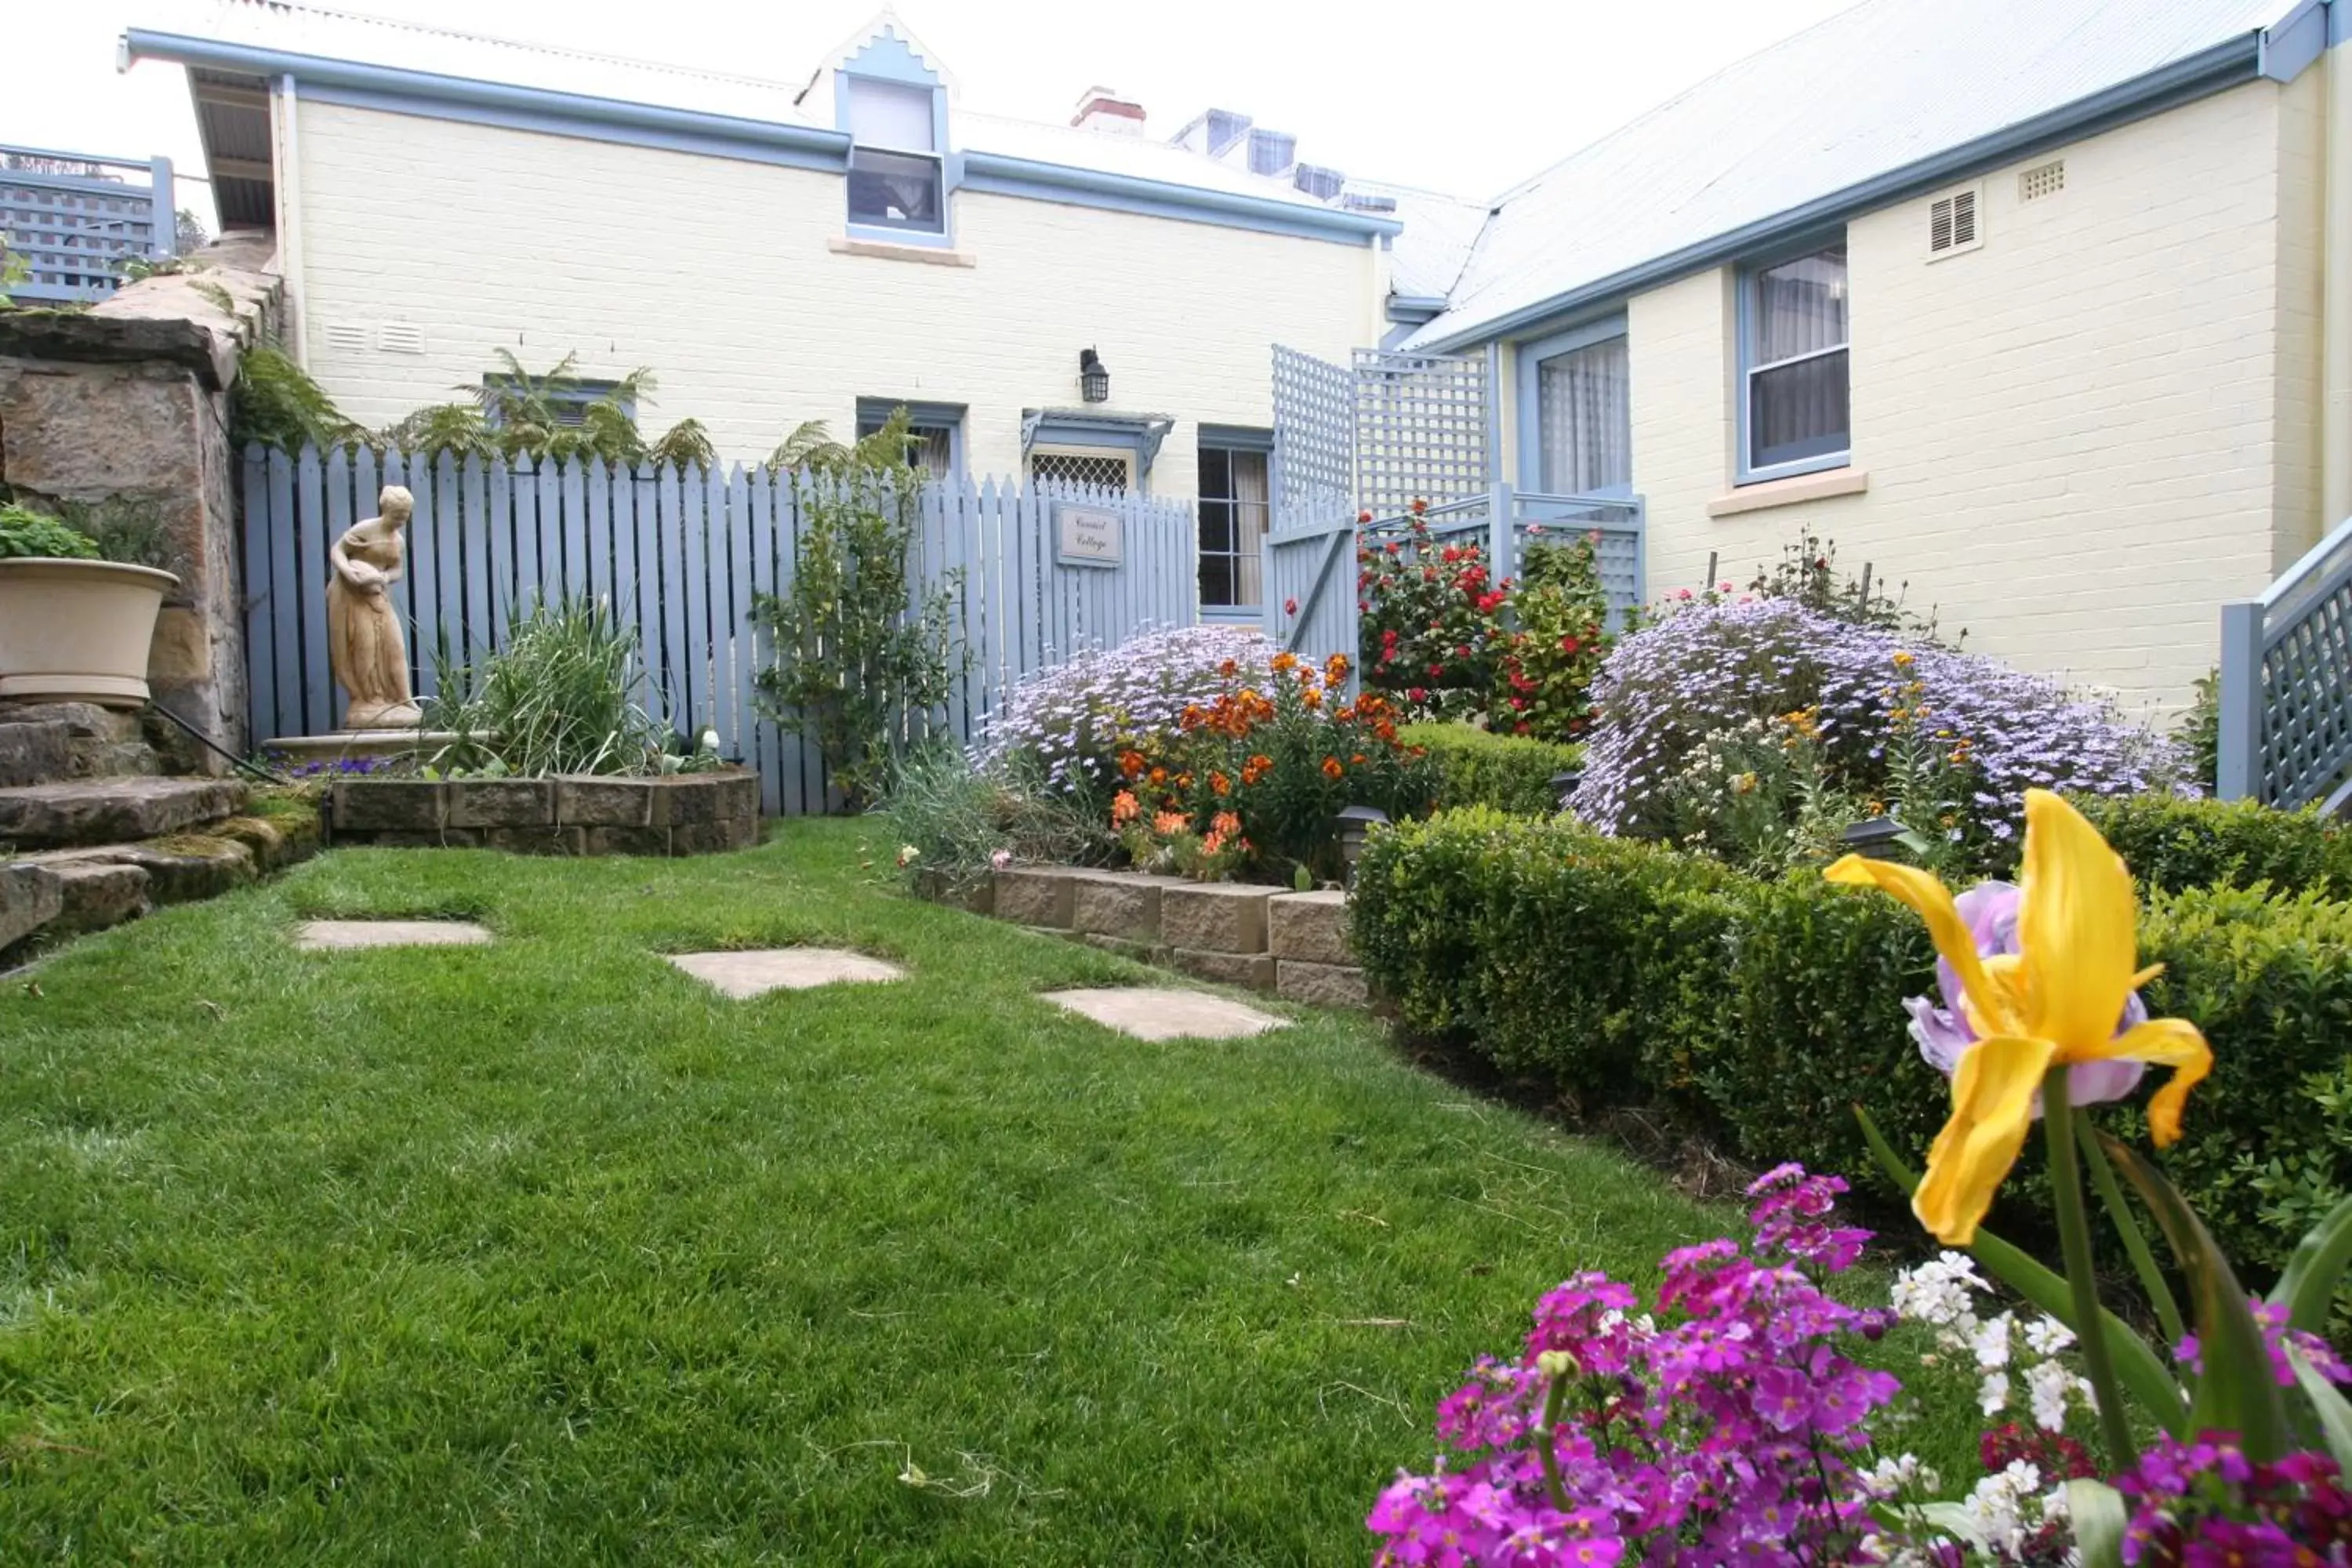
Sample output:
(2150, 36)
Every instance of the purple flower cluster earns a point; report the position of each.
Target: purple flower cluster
(2282, 1343)
(2206, 1505)
(1725, 1429)
(1072, 719)
(331, 767)
(1709, 668)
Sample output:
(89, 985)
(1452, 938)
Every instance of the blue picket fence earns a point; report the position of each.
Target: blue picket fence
(680, 552)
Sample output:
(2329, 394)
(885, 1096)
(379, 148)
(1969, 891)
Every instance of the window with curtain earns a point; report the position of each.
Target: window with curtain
(895, 177)
(1585, 421)
(1234, 517)
(1796, 407)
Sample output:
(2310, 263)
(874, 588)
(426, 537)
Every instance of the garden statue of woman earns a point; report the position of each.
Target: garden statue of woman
(364, 643)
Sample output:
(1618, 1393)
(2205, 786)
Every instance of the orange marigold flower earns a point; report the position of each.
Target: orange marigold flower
(1183, 780)
(1131, 763)
(1335, 668)
(1124, 806)
(1226, 822)
(1159, 775)
(1220, 784)
(1170, 823)
(1213, 843)
(1357, 759)
(1283, 662)
(1331, 768)
(1228, 669)
(1194, 716)
(1313, 699)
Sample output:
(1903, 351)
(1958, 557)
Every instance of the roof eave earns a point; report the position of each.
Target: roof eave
(325, 72)
(986, 172)
(2231, 63)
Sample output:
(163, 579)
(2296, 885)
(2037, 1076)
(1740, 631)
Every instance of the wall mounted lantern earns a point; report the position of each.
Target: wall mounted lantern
(1094, 377)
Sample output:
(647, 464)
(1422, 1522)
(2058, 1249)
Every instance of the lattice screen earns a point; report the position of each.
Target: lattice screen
(2307, 699)
(1112, 470)
(1313, 440)
(1421, 429)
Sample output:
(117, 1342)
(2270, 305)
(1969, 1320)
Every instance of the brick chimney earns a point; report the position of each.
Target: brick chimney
(1101, 108)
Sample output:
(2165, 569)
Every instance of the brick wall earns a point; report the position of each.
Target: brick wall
(717, 274)
(2081, 438)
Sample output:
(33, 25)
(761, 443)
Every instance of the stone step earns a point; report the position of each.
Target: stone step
(97, 742)
(34, 753)
(113, 810)
(54, 893)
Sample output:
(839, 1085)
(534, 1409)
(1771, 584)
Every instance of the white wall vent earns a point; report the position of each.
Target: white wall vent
(2042, 180)
(1952, 224)
(347, 337)
(400, 338)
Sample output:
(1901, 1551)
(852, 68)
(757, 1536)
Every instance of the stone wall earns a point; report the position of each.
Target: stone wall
(128, 401)
(1294, 945)
(682, 814)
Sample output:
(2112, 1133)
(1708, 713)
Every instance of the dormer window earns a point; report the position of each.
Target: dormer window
(898, 179)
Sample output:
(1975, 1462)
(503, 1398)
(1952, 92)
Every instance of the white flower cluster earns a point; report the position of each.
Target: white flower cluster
(2005, 1510)
(1942, 1293)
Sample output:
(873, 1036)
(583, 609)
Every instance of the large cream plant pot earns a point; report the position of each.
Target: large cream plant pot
(78, 631)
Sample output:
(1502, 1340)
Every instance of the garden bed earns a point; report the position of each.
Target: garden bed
(673, 815)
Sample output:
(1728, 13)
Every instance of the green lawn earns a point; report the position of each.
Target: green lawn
(544, 1253)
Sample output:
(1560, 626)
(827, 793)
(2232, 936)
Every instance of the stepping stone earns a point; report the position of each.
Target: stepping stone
(743, 975)
(1166, 1013)
(332, 936)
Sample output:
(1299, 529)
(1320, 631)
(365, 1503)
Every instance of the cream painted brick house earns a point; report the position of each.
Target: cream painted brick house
(2041, 307)
(778, 253)
(2020, 300)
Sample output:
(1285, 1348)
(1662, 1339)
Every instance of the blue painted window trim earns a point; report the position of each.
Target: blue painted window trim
(887, 58)
(579, 396)
(1139, 433)
(1238, 438)
(875, 412)
(1531, 353)
(1744, 291)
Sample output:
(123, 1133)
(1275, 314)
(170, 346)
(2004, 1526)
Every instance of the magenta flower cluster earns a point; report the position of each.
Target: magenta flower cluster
(2206, 1505)
(1708, 669)
(1727, 1427)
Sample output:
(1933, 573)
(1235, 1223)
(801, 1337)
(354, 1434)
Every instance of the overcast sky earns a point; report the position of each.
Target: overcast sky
(1468, 96)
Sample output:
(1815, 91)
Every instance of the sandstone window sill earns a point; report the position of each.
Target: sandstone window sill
(1788, 493)
(883, 250)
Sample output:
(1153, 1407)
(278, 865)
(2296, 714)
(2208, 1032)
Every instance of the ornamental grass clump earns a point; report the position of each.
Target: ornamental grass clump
(1753, 730)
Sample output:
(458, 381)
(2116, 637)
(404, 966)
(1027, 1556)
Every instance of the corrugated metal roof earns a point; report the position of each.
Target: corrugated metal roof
(1862, 95)
(404, 45)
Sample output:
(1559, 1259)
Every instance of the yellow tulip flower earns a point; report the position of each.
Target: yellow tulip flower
(2055, 1002)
